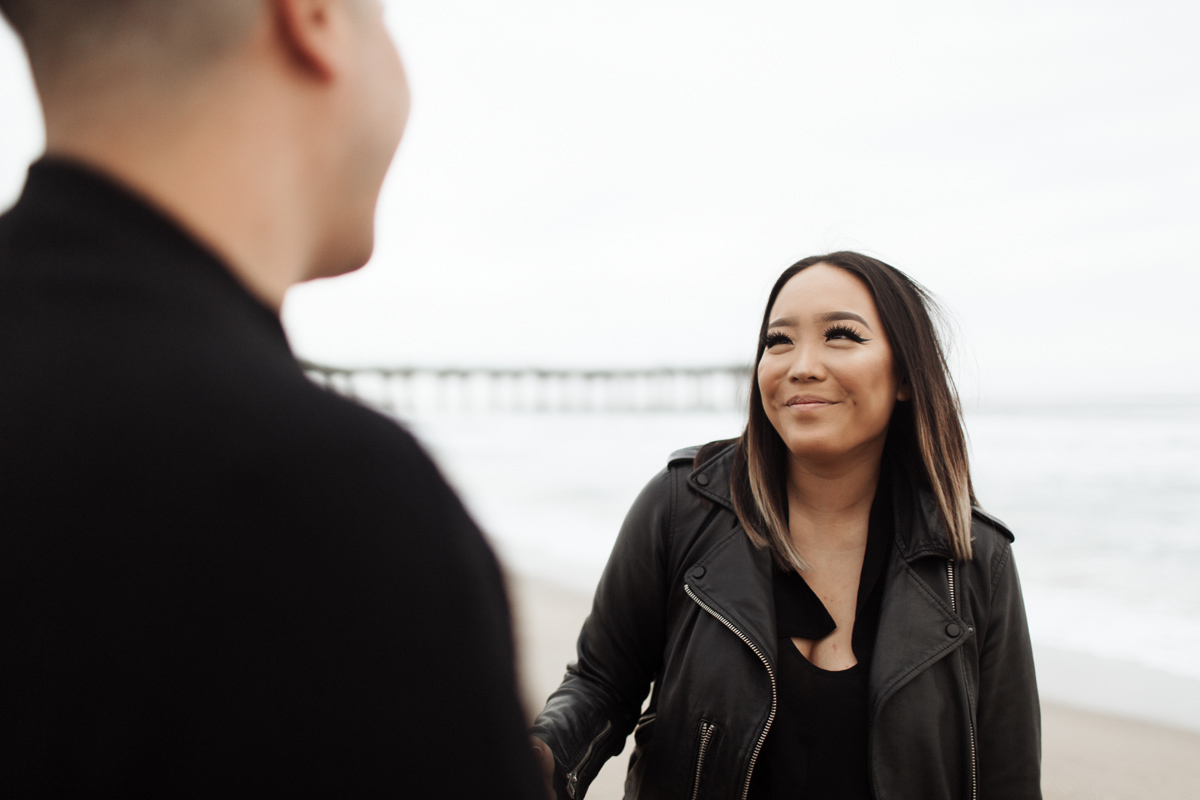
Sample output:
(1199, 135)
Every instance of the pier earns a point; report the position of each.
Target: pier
(401, 390)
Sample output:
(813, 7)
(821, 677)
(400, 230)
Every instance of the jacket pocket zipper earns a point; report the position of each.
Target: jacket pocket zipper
(706, 733)
(970, 716)
(770, 674)
(573, 775)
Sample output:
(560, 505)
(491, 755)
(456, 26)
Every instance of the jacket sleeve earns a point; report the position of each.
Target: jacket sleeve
(1009, 717)
(587, 719)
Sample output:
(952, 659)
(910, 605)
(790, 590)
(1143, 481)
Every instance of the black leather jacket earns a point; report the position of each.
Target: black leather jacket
(686, 604)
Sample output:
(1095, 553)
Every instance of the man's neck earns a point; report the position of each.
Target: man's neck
(218, 175)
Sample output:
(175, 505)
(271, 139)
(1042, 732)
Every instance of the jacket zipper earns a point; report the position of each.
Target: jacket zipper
(706, 734)
(770, 673)
(573, 775)
(970, 718)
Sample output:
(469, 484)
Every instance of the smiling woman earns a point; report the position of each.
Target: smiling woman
(815, 362)
(869, 327)
(820, 611)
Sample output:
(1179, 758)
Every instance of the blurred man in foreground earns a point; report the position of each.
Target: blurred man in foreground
(215, 578)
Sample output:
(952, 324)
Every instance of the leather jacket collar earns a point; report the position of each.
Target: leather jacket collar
(733, 577)
(919, 531)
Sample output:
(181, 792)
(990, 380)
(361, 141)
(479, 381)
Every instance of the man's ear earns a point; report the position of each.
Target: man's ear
(315, 33)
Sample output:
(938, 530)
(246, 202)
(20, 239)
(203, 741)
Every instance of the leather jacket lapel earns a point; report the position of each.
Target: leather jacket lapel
(916, 629)
(733, 579)
(917, 625)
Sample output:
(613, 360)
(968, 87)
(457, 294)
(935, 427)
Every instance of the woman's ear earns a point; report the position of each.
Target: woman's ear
(904, 392)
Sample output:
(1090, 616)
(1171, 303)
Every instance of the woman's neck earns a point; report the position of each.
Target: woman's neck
(829, 506)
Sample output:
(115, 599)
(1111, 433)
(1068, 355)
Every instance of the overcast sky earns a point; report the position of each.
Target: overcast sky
(619, 183)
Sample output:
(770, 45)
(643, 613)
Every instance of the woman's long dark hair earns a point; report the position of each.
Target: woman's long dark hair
(925, 435)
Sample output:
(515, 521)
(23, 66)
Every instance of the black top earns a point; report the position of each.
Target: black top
(216, 578)
(817, 747)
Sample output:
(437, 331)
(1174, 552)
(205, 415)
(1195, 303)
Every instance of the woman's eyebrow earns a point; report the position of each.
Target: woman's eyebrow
(832, 316)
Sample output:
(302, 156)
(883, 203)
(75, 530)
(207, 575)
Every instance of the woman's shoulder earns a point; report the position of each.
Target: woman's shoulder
(686, 464)
(990, 526)
(988, 531)
(701, 454)
(991, 541)
(692, 479)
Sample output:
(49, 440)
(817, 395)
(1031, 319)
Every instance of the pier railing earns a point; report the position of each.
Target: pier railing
(416, 389)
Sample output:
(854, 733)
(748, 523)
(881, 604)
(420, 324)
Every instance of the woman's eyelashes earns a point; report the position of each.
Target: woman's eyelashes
(777, 338)
(833, 333)
(844, 332)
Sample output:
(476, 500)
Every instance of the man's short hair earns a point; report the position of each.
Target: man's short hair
(67, 39)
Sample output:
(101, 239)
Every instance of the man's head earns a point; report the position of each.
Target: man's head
(306, 92)
(79, 45)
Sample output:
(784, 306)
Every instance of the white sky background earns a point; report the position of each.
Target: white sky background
(619, 183)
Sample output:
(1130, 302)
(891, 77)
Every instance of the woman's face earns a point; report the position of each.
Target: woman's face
(827, 379)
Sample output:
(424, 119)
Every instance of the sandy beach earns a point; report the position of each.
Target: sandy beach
(1084, 754)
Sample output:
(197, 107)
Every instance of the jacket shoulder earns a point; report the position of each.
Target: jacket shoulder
(991, 542)
(672, 503)
(684, 455)
(989, 536)
(668, 487)
(701, 454)
(982, 520)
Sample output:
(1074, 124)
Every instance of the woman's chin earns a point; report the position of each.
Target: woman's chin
(815, 450)
(831, 451)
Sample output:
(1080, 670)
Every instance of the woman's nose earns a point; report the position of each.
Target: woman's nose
(806, 364)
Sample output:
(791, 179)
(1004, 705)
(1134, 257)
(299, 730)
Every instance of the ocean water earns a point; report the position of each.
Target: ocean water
(1105, 505)
(1104, 502)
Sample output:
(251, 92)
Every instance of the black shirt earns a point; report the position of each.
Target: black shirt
(817, 747)
(216, 578)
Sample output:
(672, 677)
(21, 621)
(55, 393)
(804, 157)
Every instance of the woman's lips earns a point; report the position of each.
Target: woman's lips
(804, 402)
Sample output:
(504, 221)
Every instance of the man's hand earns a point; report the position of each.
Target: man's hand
(545, 762)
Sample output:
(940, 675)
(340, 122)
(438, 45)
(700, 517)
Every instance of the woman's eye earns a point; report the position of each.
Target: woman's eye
(777, 338)
(843, 332)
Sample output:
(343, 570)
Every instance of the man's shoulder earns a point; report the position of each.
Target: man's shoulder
(312, 419)
(319, 464)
